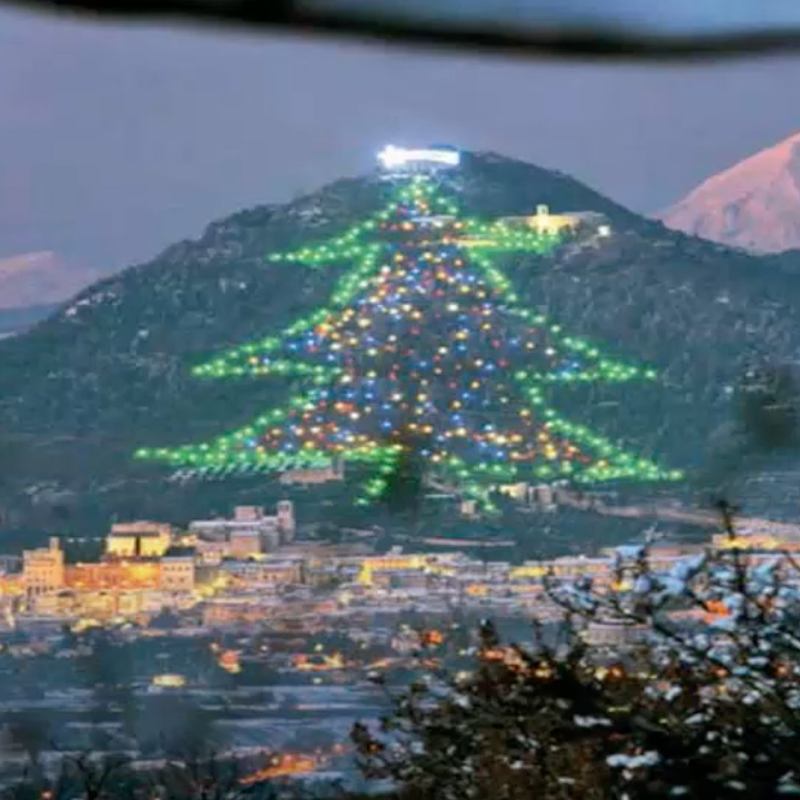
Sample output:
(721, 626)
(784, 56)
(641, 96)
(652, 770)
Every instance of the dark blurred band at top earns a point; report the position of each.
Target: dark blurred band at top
(580, 28)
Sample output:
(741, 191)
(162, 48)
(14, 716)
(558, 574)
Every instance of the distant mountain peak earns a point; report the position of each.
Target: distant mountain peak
(40, 278)
(754, 204)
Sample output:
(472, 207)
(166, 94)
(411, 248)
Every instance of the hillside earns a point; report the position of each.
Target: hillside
(110, 372)
(754, 204)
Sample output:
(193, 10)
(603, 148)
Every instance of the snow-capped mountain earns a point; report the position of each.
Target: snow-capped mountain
(754, 205)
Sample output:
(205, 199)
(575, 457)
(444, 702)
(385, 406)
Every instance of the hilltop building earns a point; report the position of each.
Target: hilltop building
(312, 476)
(545, 222)
(414, 161)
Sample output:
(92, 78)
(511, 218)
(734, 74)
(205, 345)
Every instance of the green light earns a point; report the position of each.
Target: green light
(484, 243)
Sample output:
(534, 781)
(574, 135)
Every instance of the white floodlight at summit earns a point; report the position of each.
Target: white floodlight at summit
(392, 157)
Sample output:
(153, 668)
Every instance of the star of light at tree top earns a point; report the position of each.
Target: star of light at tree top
(423, 338)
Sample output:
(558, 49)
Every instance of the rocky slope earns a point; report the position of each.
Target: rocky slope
(754, 205)
(109, 372)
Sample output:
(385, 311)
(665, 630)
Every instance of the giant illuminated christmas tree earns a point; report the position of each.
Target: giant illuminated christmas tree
(424, 339)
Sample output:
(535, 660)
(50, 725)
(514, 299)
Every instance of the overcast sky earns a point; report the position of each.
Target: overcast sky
(118, 140)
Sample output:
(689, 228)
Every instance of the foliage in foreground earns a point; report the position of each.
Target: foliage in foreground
(707, 704)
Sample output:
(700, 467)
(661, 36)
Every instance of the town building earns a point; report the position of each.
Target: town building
(138, 540)
(134, 575)
(10, 564)
(756, 540)
(249, 543)
(43, 569)
(97, 605)
(615, 634)
(210, 552)
(178, 571)
(250, 532)
(270, 572)
(223, 611)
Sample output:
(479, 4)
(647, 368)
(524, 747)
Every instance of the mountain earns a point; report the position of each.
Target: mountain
(40, 279)
(110, 371)
(754, 205)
